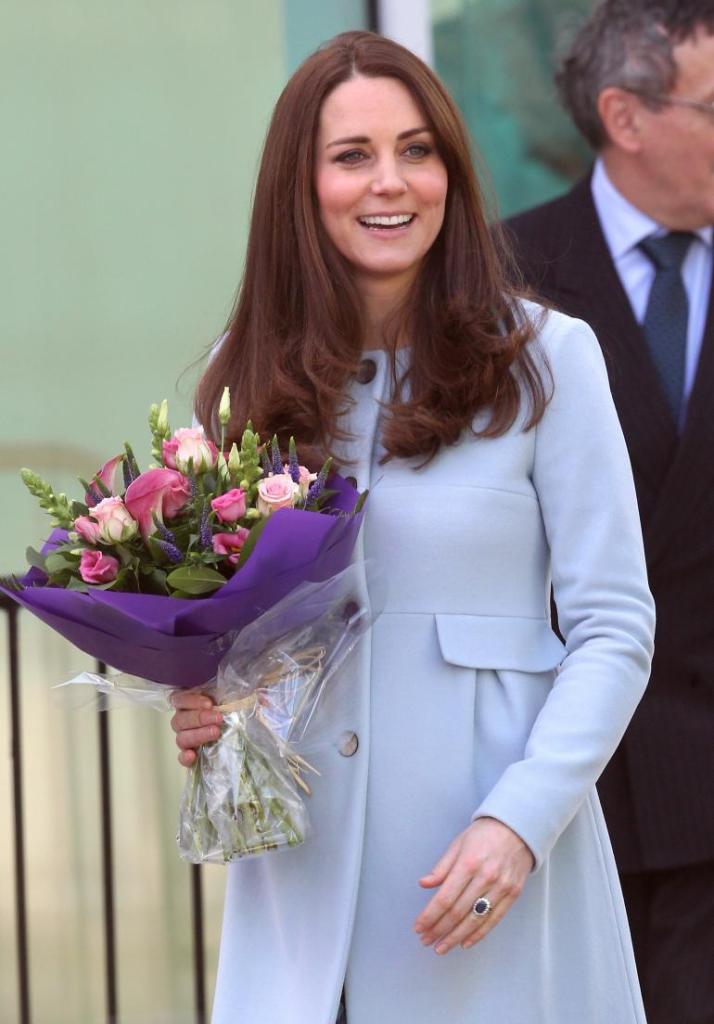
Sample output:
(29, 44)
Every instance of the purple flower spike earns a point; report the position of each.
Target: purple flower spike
(293, 464)
(265, 462)
(164, 531)
(171, 551)
(316, 489)
(127, 473)
(277, 466)
(318, 486)
(204, 530)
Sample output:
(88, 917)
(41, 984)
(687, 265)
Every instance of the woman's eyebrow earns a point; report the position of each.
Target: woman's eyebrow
(363, 139)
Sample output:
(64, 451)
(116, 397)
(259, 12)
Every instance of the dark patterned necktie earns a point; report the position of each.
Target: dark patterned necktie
(665, 323)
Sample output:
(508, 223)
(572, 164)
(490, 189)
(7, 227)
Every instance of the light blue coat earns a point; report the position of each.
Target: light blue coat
(465, 703)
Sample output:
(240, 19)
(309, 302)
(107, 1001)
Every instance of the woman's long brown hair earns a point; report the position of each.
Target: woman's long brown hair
(295, 335)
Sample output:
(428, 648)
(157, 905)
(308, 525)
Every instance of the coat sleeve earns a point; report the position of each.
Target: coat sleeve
(582, 476)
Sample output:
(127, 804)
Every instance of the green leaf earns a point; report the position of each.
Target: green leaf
(195, 579)
(130, 459)
(126, 556)
(323, 499)
(75, 584)
(56, 562)
(250, 543)
(35, 558)
(61, 579)
(78, 508)
(153, 581)
(360, 502)
(112, 585)
(100, 486)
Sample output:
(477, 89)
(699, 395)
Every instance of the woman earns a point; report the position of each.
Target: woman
(456, 812)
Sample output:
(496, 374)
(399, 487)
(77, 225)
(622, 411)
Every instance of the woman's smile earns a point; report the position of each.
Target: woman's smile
(387, 225)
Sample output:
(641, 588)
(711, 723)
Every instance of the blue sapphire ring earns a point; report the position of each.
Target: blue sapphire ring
(481, 907)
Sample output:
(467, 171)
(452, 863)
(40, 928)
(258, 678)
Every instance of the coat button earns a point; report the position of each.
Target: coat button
(351, 480)
(349, 609)
(367, 370)
(347, 744)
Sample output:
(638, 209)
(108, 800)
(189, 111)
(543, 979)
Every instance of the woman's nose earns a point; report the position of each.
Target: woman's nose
(387, 179)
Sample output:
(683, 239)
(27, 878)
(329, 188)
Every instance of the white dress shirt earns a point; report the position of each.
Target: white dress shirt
(624, 226)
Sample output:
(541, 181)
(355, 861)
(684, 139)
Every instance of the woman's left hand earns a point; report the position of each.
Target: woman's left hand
(486, 859)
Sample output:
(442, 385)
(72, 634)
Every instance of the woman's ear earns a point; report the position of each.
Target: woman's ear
(621, 115)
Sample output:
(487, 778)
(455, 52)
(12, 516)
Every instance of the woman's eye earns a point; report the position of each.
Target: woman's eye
(352, 156)
(418, 149)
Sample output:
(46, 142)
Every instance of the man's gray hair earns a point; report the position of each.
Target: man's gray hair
(629, 44)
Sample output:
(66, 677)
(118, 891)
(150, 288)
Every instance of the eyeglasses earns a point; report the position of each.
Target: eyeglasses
(675, 101)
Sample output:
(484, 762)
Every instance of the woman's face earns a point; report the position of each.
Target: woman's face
(381, 185)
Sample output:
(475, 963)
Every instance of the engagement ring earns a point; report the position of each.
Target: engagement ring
(481, 907)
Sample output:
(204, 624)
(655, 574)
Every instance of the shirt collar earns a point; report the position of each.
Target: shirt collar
(623, 225)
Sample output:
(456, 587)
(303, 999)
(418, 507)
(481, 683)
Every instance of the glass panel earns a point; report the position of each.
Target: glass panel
(311, 22)
(496, 58)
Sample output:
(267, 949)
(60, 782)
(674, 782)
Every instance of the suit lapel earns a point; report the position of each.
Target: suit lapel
(587, 276)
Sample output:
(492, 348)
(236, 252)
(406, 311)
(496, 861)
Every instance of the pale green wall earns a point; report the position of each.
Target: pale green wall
(130, 135)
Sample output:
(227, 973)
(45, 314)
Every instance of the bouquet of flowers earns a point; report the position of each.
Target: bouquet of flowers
(153, 571)
(159, 574)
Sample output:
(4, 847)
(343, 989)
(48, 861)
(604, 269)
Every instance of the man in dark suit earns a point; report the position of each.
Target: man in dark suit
(630, 251)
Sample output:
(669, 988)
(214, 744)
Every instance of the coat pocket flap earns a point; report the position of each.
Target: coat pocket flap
(499, 642)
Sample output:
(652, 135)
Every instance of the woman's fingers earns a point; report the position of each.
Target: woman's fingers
(443, 867)
(196, 719)
(190, 699)
(442, 902)
(193, 710)
(463, 927)
(456, 910)
(189, 739)
(195, 722)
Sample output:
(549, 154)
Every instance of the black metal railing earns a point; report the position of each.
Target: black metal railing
(10, 613)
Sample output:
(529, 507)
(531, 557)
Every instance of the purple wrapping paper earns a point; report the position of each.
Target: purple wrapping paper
(180, 642)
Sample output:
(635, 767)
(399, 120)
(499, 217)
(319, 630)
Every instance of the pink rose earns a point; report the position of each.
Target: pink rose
(87, 529)
(169, 449)
(96, 567)
(110, 476)
(230, 507)
(190, 444)
(115, 523)
(275, 492)
(160, 492)
(306, 478)
(230, 543)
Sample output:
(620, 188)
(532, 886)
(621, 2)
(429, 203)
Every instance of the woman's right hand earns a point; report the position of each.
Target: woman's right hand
(195, 722)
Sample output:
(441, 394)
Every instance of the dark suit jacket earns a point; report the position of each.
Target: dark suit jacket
(658, 792)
